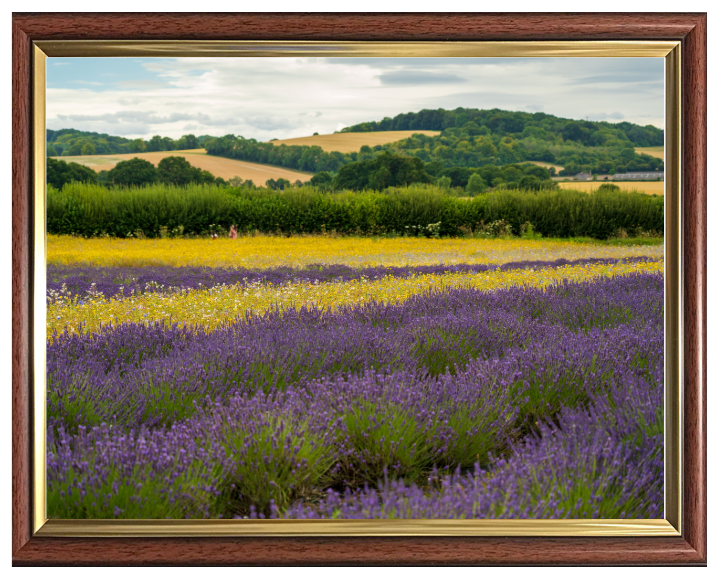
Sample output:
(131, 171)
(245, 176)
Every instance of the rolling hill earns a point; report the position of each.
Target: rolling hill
(219, 167)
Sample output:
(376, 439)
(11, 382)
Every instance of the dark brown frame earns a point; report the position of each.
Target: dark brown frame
(688, 549)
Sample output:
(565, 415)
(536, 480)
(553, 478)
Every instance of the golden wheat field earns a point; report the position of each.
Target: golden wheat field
(654, 151)
(352, 141)
(546, 165)
(219, 167)
(642, 187)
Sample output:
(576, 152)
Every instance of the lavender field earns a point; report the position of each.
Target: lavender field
(496, 396)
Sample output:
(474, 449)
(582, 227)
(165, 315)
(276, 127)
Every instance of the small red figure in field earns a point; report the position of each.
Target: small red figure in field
(214, 236)
(233, 232)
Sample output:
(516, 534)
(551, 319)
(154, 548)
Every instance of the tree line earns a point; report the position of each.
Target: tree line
(172, 170)
(470, 138)
(392, 170)
(504, 123)
(481, 140)
(71, 142)
(378, 173)
(474, 146)
(305, 158)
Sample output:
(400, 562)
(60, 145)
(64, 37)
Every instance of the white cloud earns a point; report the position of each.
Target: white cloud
(266, 98)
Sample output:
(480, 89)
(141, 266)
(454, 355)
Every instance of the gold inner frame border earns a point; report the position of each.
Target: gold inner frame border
(669, 526)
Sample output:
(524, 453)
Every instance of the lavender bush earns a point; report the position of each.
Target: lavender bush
(123, 281)
(602, 462)
(461, 403)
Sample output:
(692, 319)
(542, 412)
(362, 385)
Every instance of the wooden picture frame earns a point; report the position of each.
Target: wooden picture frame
(688, 548)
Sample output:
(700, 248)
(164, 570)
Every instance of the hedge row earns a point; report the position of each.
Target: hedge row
(90, 210)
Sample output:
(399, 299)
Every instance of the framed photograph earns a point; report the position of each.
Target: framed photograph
(359, 289)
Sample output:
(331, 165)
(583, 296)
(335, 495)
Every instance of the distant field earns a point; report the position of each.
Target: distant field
(352, 141)
(546, 165)
(644, 187)
(654, 151)
(219, 167)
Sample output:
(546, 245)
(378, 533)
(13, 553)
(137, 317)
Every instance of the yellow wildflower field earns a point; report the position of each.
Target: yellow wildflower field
(262, 252)
(218, 306)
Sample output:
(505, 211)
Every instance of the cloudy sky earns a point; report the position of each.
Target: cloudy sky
(266, 98)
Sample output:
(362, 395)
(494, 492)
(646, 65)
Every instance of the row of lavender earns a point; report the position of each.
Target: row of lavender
(113, 281)
(462, 403)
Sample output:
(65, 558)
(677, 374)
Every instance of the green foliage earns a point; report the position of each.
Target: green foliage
(278, 462)
(508, 176)
(137, 145)
(307, 158)
(119, 494)
(188, 142)
(535, 183)
(382, 172)
(503, 122)
(322, 180)
(444, 182)
(279, 184)
(133, 172)
(476, 185)
(475, 138)
(155, 144)
(387, 438)
(177, 171)
(71, 142)
(90, 210)
(527, 231)
(459, 176)
(60, 173)
(171, 170)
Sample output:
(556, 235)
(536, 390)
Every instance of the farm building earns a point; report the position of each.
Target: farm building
(641, 175)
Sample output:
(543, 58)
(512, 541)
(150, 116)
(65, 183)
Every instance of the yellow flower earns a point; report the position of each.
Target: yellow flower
(211, 309)
(262, 252)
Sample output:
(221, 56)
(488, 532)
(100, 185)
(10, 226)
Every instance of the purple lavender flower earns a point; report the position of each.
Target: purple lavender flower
(454, 404)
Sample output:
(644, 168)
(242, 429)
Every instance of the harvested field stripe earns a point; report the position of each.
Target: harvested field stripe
(641, 187)
(352, 141)
(219, 167)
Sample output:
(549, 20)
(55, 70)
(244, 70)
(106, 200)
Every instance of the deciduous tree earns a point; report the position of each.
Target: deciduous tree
(60, 173)
(134, 172)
